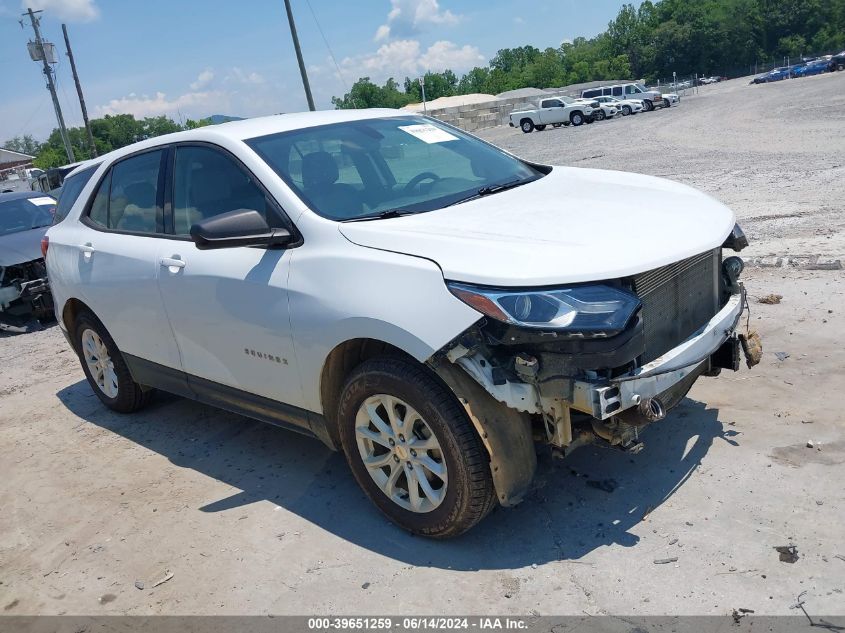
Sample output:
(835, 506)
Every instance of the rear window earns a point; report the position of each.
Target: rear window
(73, 186)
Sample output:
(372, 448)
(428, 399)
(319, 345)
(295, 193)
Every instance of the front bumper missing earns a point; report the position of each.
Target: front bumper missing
(25, 301)
(606, 399)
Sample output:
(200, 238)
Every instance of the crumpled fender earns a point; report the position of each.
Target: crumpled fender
(505, 432)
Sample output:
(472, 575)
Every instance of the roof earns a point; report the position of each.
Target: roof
(11, 156)
(251, 128)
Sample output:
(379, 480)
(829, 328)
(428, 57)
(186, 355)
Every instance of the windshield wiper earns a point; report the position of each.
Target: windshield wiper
(382, 215)
(491, 189)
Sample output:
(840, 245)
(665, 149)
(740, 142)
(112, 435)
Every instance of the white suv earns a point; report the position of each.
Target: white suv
(431, 305)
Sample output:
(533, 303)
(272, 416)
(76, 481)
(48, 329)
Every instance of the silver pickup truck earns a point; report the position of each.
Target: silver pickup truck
(554, 111)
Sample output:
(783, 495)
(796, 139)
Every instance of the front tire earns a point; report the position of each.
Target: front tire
(526, 125)
(576, 119)
(413, 449)
(666, 103)
(104, 367)
(600, 115)
(648, 106)
(626, 110)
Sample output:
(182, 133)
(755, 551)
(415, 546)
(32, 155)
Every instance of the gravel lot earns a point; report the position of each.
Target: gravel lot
(252, 519)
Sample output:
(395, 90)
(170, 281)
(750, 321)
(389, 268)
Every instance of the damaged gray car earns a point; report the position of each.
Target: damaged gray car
(24, 292)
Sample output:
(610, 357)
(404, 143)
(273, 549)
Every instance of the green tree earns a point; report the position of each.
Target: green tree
(25, 144)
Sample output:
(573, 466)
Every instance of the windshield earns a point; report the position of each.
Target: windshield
(23, 214)
(368, 168)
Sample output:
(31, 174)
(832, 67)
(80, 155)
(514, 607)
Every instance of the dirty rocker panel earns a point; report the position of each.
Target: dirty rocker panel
(231, 399)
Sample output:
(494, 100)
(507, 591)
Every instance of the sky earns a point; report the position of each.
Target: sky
(193, 58)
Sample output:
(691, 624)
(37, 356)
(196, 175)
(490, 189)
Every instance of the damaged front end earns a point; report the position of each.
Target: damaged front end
(24, 295)
(597, 362)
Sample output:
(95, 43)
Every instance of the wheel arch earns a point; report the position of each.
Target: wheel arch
(70, 311)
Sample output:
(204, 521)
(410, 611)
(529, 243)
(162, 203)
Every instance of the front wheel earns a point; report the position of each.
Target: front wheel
(576, 119)
(666, 103)
(600, 115)
(526, 125)
(413, 449)
(626, 110)
(104, 367)
(540, 128)
(648, 106)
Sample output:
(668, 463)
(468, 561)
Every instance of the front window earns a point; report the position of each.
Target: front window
(25, 214)
(367, 168)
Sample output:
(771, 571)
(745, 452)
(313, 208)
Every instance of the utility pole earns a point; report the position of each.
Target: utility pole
(299, 57)
(79, 92)
(51, 86)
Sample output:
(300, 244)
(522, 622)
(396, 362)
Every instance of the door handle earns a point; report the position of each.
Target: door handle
(171, 262)
(86, 248)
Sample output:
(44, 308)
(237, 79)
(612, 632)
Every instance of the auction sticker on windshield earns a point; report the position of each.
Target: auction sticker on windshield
(428, 133)
(44, 200)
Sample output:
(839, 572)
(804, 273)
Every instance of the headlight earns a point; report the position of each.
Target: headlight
(736, 240)
(588, 311)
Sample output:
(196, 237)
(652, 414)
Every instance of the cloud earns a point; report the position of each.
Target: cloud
(69, 10)
(203, 79)
(241, 76)
(408, 17)
(405, 57)
(158, 104)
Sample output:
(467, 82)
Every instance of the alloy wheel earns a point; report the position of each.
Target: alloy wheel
(401, 453)
(99, 363)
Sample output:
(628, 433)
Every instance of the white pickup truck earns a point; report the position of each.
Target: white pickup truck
(552, 111)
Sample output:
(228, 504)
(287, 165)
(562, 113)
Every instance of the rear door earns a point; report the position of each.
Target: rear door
(117, 257)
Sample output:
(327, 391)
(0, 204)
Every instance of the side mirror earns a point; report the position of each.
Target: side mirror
(241, 227)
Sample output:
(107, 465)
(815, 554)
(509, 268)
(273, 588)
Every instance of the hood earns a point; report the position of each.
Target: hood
(573, 225)
(24, 246)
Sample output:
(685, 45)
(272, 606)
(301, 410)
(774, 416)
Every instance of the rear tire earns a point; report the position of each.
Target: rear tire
(384, 400)
(666, 103)
(526, 125)
(648, 106)
(104, 367)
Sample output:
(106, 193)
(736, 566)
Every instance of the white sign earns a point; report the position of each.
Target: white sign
(42, 200)
(428, 133)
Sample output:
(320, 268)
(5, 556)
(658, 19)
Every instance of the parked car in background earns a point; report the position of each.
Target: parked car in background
(779, 74)
(405, 292)
(650, 98)
(816, 67)
(625, 106)
(601, 110)
(552, 111)
(24, 292)
(837, 62)
(50, 181)
(670, 99)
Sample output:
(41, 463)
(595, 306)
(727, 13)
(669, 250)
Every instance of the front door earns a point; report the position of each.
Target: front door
(228, 307)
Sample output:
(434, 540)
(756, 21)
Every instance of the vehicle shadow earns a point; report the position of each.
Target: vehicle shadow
(564, 518)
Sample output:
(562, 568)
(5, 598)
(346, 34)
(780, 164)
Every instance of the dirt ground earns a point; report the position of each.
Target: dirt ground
(98, 507)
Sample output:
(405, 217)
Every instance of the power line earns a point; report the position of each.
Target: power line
(326, 42)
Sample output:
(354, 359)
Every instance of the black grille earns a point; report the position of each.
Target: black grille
(677, 300)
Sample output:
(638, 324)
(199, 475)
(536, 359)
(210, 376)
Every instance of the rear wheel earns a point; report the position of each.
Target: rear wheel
(413, 449)
(666, 103)
(648, 106)
(105, 368)
(540, 128)
(526, 125)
